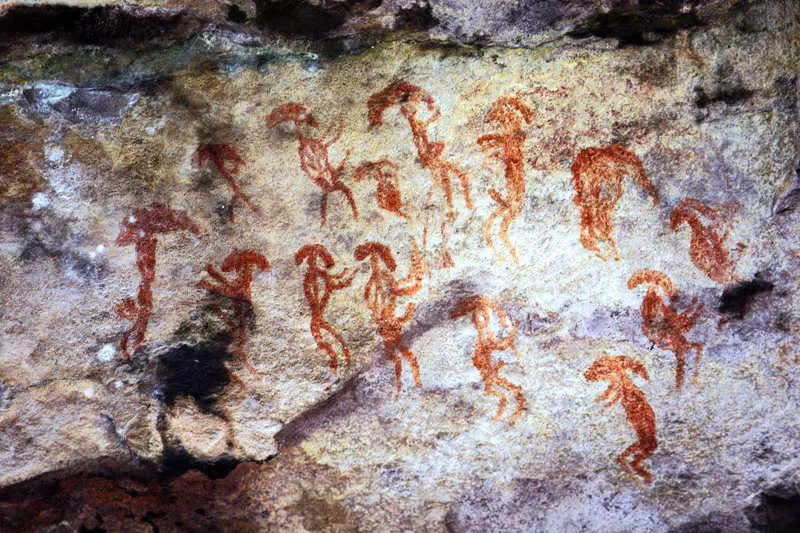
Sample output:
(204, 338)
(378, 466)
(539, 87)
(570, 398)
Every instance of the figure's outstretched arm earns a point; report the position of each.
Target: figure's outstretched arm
(408, 313)
(612, 394)
(336, 136)
(342, 279)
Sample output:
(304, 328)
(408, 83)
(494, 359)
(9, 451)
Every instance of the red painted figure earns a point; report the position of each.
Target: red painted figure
(381, 293)
(227, 162)
(410, 97)
(318, 285)
(243, 263)
(597, 175)
(487, 343)
(510, 114)
(313, 154)
(614, 370)
(707, 248)
(661, 322)
(387, 193)
(140, 229)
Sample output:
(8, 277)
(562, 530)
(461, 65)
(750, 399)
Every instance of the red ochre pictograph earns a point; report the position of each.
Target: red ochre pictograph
(510, 114)
(381, 293)
(661, 322)
(313, 154)
(238, 290)
(318, 285)
(481, 309)
(140, 229)
(387, 194)
(614, 370)
(410, 97)
(597, 175)
(227, 162)
(707, 248)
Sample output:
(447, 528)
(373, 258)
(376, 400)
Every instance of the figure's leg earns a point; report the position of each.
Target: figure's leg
(487, 227)
(388, 350)
(488, 389)
(622, 459)
(680, 368)
(335, 334)
(412, 361)
(698, 350)
(349, 195)
(324, 208)
(444, 180)
(508, 217)
(522, 403)
(325, 347)
(640, 455)
(464, 180)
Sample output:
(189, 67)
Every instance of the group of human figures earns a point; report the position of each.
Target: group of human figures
(598, 174)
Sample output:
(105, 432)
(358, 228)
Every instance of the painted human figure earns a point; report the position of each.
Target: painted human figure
(388, 194)
(313, 154)
(318, 285)
(597, 175)
(242, 263)
(663, 324)
(381, 293)
(227, 162)
(140, 229)
(614, 370)
(481, 310)
(707, 248)
(510, 115)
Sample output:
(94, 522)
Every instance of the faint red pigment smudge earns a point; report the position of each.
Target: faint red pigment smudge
(313, 154)
(487, 343)
(707, 248)
(227, 162)
(238, 290)
(661, 322)
(381, 293)
(388, 194)
(506, 112)
(614, 370)
(318, 285)
(597, 175)
(140, 229)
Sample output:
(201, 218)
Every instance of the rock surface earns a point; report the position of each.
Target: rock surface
(159, 369)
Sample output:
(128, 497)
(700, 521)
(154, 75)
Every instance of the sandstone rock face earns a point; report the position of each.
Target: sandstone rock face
(401, 265)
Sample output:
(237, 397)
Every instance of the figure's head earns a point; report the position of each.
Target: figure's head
(145, 222)
(375, 169)
(613, 367)
(222, 156)
(655, 279)
(376, 251)
(397, 93)
(292, 112)
(312, 253)
(245, 259)
(505, 110)
(476, 304)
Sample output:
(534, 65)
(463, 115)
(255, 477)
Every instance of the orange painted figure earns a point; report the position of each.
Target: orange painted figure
(381, 293)
(140, 229)
(313, 154)
(597, 175)
(227, 162)
(487, 343)
(410, 97)
(242, 263)
(707, 248)
(387, 193)
(614, 370)
(661, 322)
(318, 285)
(510, 114)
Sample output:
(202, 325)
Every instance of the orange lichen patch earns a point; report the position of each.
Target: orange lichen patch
(481, 309)
(661, 322)
(313, 154)
(238, 290)
(140, 229)
(707, 248)
(318, 285)
(381, 293)
(614, 370)
(409, 97)
(510, 114)
(597, 175)
(227, 163)
(388, 195)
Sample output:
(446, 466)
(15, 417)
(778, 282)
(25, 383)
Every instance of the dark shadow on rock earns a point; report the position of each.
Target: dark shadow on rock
(776, 510)
(737, 298)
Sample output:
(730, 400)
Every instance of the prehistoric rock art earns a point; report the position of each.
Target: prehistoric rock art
(487, 343)
(388, 195)
(381, 293)
(227, 163)
(661, 322)
(597, 175)
(241, 262)
(318, 285)
(707, 248)
(614, 370)
(409, 97)
(313, 154)
(508, 112)
(140, 229)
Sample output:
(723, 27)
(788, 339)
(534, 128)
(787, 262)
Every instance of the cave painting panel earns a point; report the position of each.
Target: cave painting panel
(597, 175)
(662, 324)
(227, 162)
(614, 370)
(140, 229)
(481, 310)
